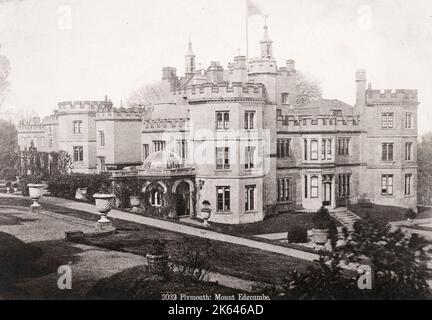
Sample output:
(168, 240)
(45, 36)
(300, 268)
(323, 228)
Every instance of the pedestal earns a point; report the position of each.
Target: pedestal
(104, 225)
(35, 204)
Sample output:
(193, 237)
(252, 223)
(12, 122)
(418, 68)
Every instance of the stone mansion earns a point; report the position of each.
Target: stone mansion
(234, 136)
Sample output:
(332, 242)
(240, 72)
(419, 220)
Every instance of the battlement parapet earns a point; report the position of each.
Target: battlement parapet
(82, 106)
(31, 128)
(109, 113)
(50, 120)
(166, 124)
(222, 91)
(317, 123)
(391, 96)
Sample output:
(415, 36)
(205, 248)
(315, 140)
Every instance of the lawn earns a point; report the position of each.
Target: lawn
(235, 260)
(273, 224)
(138, 283)
(386, 214)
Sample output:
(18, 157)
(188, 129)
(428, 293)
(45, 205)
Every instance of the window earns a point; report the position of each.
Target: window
(222, 158)
(156, 198)
(250, 198)
(408, 147)
(222, 120)
(284, 189)
(408, 120)
(387, 184)
(387, 152)
(408, 178)
(223, 199)
(249, 120)
(146, 151)
(326, 149)
(305, 149)
(284, 98)
(50, 143)
(329, 149)
(284, 148)
(182, 148)
(158, 145)
(387, 120)
(343, 146)
(344, 185)
(78, 154)
(314, 150)
(77, 127)
(306, 186)
(102, 138)
(314, 187)
(249, 157)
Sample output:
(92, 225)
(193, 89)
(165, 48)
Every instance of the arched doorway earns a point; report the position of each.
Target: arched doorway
(183, 199)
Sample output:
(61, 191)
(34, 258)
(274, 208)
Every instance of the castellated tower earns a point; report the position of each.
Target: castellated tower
(77, 132)
(389, 148)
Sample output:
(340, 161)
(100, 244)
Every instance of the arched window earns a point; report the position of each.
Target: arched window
(314, 187)
(156, 198)
(314, 149)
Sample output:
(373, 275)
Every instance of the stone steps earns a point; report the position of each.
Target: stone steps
(345, 217)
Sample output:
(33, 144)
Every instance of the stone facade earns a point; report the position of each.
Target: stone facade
(248, 149)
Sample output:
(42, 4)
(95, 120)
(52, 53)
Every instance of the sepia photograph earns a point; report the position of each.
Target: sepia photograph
(215, 156)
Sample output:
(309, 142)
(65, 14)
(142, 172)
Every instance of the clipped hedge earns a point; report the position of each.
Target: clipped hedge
(65, 186)
(297, 234)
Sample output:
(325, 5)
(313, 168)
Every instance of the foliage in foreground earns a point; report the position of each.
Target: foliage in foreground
(397, 261)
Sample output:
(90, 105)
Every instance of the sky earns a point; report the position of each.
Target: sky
(85, 49)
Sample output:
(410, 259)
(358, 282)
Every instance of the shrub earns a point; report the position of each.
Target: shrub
(64, 186)
(321, 219)
(158, 247)
(10, 173)
(397, 260)
(297, 234)
(193, 258)
(410, 214)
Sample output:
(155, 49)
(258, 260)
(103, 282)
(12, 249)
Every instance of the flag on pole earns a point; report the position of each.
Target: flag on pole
(253, 9)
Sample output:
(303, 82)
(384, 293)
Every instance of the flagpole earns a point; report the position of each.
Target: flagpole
(247, 34)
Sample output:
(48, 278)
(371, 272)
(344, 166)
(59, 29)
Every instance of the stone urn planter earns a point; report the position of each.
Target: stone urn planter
(157, 258)
(36, 191)
(320, 236)
(104, 204)
(205, 213)
(322, 222)
(81, 194)
(158, 263)
(135, 202)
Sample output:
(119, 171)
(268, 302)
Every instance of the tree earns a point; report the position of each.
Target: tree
(424, 156)
(8, 147)
(157, 92)
(307, 90)
(396, 259)
(5, 70)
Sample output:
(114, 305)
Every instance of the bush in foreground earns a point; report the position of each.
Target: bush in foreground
(397, 261)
